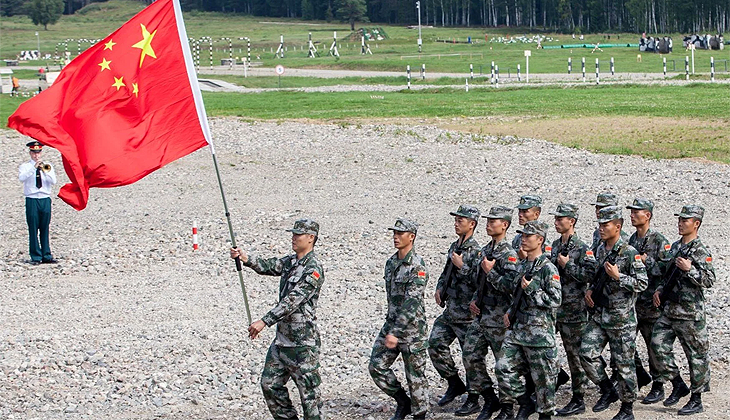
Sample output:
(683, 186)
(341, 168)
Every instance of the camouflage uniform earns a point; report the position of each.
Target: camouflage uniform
(405, 284)
(615, 324)
(295, 351)
(656, 248)
(604, 200)
(529, 346)
(686, 320)
(572, 315)
(487, 331)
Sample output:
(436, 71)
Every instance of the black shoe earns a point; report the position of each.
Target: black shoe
(491, 404)
(419, 416)
(679, 390)
(626, 412)
(642, 376)
(563, 378)
(33, 262)
(655, 395)
(456, 388)
(50, 261)
(507, 413)
(404, 405)
(575, 406)
(544, 416)
(608, 396)
(527, 407)
(471, 406)
(693, 406)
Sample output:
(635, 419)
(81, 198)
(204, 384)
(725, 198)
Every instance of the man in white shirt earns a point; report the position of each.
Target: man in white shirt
(38, 178)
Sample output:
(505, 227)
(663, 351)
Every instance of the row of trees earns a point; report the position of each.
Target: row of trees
(652, 16)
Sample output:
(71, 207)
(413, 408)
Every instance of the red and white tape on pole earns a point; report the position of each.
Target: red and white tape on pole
(195, 235)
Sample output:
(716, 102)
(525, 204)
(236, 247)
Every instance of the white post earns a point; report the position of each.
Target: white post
(420, 40)
(712, 69)
(471, 70)
(583, 68)
(686, 68)
(491, 75)
(612, 71)
(693, 58)
(496, 79)
(408, 75)
(597, 71)
(423, 71)
(519, 79)
(467, 85)
(664, 63)
(528, 53)
(570, 65)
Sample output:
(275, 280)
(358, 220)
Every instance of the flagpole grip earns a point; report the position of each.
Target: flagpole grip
(239, 267)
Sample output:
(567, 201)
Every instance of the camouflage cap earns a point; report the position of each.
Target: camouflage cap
(605, 200)
(534, 227)
(691, 210)
(307, 226)
(500, 212)
(468, 211)
(529, 201)
(642, 204)
(566, 210)
(609, 213)
(405, 225)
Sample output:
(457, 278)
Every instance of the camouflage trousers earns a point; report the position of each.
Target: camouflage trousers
(414, 360)
(300, 364)
(645, 327)
(540, 363)
(479, 339)
(693, 337)
(622, 343)
(571, 333)
(442, 335)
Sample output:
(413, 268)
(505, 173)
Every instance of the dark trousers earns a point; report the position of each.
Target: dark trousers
(38, 216)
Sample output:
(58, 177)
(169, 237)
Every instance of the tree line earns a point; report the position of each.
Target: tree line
(569, 16)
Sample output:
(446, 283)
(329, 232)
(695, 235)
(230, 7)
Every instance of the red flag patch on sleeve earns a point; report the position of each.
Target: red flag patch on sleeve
(421, 274)
(548, 249)
(708, 259)
(637, 257)
(315, 275)
(589, 253)
(667, 247)
(512, 259)
(556, 277)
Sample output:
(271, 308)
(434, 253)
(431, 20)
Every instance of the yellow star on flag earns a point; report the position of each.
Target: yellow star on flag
(118, 83)
(109, 45)
(105, 64)
(145, 45)
(135, 90)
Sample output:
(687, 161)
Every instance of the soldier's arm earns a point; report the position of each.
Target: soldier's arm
(658, 261)
(302, 292)
(635, 279)
(407, 311)
(506, 282)
(582, 268)
(544, 290)
(265, 266)
(471, 262)
(442, 278)
(702, 272)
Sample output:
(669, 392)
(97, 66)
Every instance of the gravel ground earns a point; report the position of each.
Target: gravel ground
(133, 324)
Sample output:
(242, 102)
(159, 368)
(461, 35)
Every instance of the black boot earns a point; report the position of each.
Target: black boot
(419, 416)
(404, 405)
(544, 416)
(608, 396)
(491, 404)
(693, 406)
(456, 388)
(507, 413)
(626, 412)
(470, 406)
(575, 406)
(642, 376)
(655, 395)
(563, 378)
(527, 407)
(680, 390)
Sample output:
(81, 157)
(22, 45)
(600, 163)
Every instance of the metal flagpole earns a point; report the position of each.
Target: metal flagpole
(202, 117)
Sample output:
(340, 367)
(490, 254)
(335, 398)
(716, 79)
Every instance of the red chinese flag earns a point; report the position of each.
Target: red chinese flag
(124, 108)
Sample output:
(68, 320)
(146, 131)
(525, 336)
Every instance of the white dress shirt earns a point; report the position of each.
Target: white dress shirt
(26, 175)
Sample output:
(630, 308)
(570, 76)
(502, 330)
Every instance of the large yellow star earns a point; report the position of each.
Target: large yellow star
(145, 45)
(135, 90)
(105, 64)
(109, 45)
(118, 82)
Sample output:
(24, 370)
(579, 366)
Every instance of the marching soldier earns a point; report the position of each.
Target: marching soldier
(528, 210)
(496, 277)
(529, 347)
(620, 276)
(683, 316)
(294, 353)
(576, 265)
(605, 199)
(454, 291)
(654, 250)
(404, 331)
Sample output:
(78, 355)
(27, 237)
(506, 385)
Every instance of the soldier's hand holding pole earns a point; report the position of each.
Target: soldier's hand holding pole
(683, 264)
(255, 328)
(611, 270)
(487, 264)
(656, 300)
(525, 282)
(589, 299)
(457, 260)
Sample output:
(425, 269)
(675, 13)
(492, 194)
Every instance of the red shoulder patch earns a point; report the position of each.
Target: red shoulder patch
(548, 249)
(512, 259)
(708, 259)
(421, 274)
(556, 277)
(667, 247)
(589, 253)
(315, 274)
(637, 257)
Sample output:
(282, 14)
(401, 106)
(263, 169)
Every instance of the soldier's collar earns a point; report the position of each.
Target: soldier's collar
(407, 259)
(468, 241)
(305, 259)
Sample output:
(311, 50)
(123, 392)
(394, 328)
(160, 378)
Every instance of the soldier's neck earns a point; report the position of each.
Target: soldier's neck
(499, 238)
(534, 254)
(610, 242)
(464, 237)
(641, 230)
(565, 236)
(303, 253)
(402, 252)
(689, 237)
